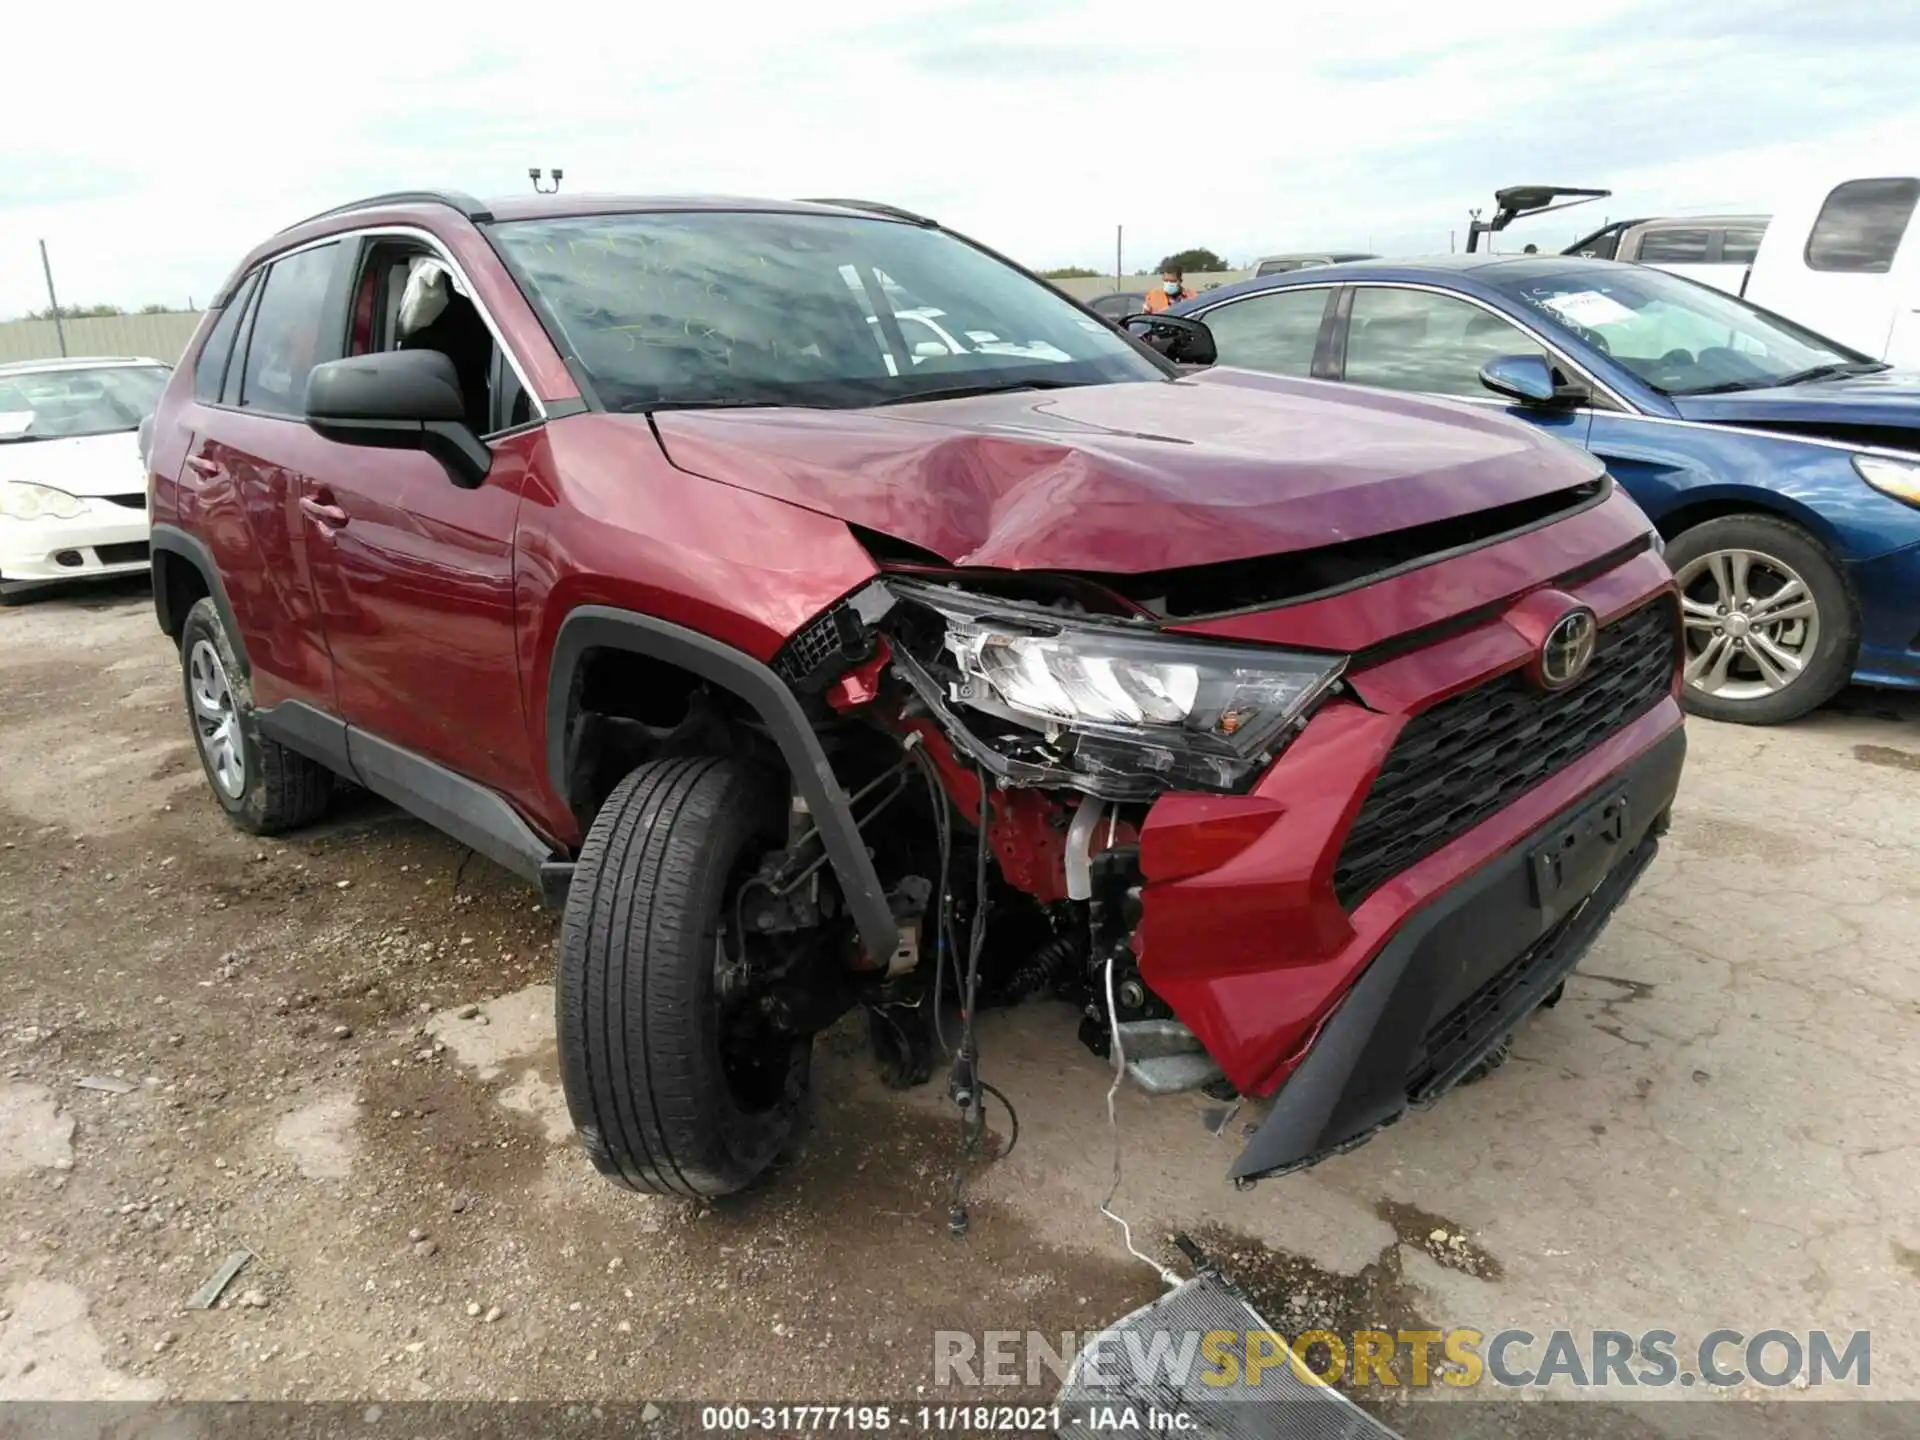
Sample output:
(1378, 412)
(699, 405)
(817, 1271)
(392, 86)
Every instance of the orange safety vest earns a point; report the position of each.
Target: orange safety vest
(1158, 299)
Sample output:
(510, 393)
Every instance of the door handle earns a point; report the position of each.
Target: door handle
(203, 467)
(331, 516)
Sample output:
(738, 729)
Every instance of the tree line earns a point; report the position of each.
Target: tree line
(1197, 261)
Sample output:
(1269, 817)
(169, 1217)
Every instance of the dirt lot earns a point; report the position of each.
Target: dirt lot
(338, 1056)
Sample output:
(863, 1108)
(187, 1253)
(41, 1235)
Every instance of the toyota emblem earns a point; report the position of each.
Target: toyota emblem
(1568, 649)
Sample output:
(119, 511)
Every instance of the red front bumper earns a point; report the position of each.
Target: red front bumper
(1241, 931)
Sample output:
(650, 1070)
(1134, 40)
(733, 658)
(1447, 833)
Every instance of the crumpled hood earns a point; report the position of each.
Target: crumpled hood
(78, 464)
(1223, 465)
(1890, 399)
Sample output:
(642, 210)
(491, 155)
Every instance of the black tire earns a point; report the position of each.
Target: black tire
(1829, 666)
(658, 1108)
(279, 789)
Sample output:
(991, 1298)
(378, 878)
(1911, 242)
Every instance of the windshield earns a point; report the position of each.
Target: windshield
(60, 404)
(731, 308)
(1679, 337)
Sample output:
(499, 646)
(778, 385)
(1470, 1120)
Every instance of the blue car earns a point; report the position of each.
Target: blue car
(1782, 469)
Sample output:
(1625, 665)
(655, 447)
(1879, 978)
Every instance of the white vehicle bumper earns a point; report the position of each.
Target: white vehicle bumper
(109, 539)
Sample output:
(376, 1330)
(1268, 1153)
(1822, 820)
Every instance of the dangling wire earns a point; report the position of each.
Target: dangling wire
(1113, 1122)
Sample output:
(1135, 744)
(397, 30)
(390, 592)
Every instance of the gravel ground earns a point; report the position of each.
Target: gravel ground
(334, 1051)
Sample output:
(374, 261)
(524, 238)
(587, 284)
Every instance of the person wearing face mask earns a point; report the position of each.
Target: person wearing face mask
(1172, 291)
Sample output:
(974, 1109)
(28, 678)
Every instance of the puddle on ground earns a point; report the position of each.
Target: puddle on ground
(1296, 1296)
(1443, 1240)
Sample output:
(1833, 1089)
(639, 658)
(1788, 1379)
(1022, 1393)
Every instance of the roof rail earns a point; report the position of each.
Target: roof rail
(893, 212)
(452, 199)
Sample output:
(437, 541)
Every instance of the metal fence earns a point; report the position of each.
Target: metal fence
(163, 336)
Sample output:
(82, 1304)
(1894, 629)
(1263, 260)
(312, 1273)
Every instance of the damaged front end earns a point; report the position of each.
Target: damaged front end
(1050, 722)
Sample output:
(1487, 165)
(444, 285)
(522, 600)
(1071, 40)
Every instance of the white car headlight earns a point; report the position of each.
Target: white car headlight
(1898, 478)
(1144, 711)
(23, 500)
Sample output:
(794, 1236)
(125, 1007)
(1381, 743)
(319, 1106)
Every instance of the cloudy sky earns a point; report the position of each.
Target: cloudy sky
(151, 145)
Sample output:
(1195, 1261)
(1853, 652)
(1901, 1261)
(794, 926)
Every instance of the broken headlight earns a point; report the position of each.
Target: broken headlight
(1138, 711)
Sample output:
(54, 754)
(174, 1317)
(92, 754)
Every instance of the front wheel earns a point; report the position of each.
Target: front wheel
(1771, 627)
(673, 1082)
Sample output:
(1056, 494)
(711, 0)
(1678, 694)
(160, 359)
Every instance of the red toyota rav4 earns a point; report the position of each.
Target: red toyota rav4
(716, 564)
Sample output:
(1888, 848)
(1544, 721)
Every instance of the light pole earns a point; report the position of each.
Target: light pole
(53, 301)
(533, 174)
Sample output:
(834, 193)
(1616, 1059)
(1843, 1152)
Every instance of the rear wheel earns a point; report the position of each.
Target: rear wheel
(1771, 628)
(674, 1082)
(264, 787)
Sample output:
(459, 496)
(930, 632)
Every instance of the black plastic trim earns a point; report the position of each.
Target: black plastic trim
(452, 199)
(464, 809)
(175, 541)
(1355, 1077)
(600, 627)
(311, 731)
(556, 883)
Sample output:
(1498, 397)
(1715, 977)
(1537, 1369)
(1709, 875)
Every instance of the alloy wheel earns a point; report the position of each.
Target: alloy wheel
(216, 720)
(1752, 624)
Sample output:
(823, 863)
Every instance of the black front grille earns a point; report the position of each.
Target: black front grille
(136, 501)
(1466, 758)
(121, 554)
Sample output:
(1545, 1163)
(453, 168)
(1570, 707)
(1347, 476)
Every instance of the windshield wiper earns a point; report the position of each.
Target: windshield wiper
(961, 392)
(1832, 371)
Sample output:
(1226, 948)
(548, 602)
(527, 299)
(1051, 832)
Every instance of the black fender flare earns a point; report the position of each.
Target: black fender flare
(601, 627)
(177, 543)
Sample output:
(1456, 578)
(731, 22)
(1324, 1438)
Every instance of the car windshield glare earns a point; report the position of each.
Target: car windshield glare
(65, 403)
(710, 308)
(1680, 337)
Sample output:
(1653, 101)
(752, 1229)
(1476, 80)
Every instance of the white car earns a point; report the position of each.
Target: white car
(73, 490)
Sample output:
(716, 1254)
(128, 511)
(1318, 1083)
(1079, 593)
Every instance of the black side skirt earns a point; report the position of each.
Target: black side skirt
(469, 812)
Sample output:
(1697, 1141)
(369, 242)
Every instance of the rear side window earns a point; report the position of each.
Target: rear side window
(1738, 247)
(284, 342)
(210, 370)
(1861, 225)
(1275, 332)
(1674, 247)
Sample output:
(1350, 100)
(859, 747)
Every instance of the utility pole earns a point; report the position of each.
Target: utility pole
(53, 301)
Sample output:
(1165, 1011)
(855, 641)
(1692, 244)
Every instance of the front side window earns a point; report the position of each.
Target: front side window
(713, 308)
(1277, 331)
(1679, 337)
(284, 341)
(1861, 225)
(1674, 247)
(61, 404)
(1417, 340)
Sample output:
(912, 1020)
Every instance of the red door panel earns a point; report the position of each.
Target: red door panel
(245, 507)
(414, 577)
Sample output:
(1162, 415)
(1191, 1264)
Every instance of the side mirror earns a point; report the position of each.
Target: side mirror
(398, 400)
(1181, 339)
(1529, 380)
